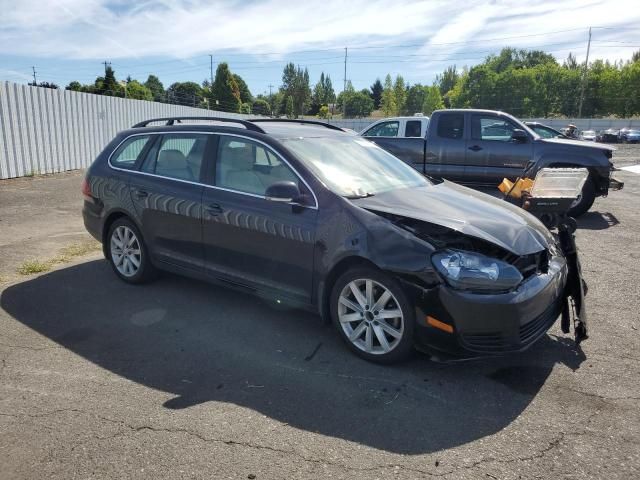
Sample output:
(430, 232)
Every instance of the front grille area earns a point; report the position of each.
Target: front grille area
(532, 264)
(499, 342)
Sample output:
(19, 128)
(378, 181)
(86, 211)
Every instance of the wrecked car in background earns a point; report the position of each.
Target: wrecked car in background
(303, 213)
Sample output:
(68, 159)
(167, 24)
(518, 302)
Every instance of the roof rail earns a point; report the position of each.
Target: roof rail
(172, 120)
(294, 120)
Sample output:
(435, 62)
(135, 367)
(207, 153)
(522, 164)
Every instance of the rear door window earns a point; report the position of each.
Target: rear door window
(451, 125)
(413, 128)
(128, 152)
(384, 129)
(491, 128)
(177, 156)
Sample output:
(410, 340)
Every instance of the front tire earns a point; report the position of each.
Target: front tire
(584, 202)
(373, 315)
(128, 254)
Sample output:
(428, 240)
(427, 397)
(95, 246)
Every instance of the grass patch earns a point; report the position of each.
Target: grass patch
(34, 266)
(65, 255)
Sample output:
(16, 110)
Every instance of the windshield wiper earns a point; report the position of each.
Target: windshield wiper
(364, 195)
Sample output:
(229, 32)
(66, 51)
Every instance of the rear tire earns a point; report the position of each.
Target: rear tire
(373, 315)
(585, 201)
(128, 254)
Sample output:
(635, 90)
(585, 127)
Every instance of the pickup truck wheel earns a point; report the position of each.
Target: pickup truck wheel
(372, 315)
(584, 202)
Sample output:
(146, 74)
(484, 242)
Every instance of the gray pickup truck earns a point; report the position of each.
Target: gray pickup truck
(479, 148)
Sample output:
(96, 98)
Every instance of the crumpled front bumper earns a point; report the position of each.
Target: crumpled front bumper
(498, 324)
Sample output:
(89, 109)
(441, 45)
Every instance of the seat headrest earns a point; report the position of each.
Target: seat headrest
(172, 159)
(242, 158)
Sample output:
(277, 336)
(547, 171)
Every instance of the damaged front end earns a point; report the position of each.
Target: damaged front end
(482, 323)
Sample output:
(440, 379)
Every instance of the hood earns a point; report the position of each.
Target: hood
(467, 211)
(577, 143)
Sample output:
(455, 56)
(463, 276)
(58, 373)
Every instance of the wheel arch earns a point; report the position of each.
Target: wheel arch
(326, 286)
(108, 221)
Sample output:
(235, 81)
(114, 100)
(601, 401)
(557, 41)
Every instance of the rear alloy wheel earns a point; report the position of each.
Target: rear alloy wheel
(127, 253)
(373, 316)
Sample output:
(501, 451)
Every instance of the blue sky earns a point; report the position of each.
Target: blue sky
(68, 39)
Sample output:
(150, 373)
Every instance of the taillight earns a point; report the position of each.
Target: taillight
(86, 190)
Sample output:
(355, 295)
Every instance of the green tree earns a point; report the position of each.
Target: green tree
(74, 86)
(323, 94)
(376, 93)
(357, 104)
(138, 91)
(261, 107)
(323, 112)
(295, 86)
(225, 93)
(388, 103)
(432, 100)
(289, 109)
(185, 93)
(156, 88)
(416, 95)
(109, 85)
(245, 93)
(447, 79)
(399, 93)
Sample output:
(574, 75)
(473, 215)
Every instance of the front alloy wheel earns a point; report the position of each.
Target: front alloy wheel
(370, 316)
(373, 315)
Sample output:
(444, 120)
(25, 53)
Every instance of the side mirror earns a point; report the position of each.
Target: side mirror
(519, 136)
(284, 191)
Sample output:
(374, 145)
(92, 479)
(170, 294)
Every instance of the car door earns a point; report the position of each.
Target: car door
(445, 154)
(491, 153)
(248, 239)
(167, 195)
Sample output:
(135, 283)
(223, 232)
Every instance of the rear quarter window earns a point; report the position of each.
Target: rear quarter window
(127, 154)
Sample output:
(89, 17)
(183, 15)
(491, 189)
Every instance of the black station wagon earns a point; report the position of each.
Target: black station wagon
(306, 214)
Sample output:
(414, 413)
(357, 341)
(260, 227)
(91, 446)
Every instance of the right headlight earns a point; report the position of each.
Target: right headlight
(473, 271)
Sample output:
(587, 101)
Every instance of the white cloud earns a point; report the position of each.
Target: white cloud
(449, 32)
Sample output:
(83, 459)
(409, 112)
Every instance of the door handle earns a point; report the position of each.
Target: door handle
(475, 148)
(141, 193)
(213, 209)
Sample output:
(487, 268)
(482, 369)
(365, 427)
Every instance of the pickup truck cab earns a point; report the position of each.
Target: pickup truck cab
(403, 127)
(481, 147)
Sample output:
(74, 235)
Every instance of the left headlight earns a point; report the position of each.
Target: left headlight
(474, 271)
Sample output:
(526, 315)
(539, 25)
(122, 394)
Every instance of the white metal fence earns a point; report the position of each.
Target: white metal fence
(43, 130)
(47, 131)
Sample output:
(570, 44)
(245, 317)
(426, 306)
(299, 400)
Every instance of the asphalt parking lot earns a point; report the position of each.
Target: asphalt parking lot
(181, 379)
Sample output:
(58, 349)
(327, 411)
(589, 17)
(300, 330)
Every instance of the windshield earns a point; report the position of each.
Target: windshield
(354, 167)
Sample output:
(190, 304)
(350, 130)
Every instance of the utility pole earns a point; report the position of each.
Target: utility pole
(270, 101)
(211, 67)
(35, 83)
(584, 76)
(106, 64)
(344, 85)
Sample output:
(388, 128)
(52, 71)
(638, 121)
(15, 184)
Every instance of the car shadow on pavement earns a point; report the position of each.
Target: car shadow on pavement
(204, 343)
(597, 221)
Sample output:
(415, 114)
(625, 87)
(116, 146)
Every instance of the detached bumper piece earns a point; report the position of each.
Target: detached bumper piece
(574, 310)
(615, 184)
